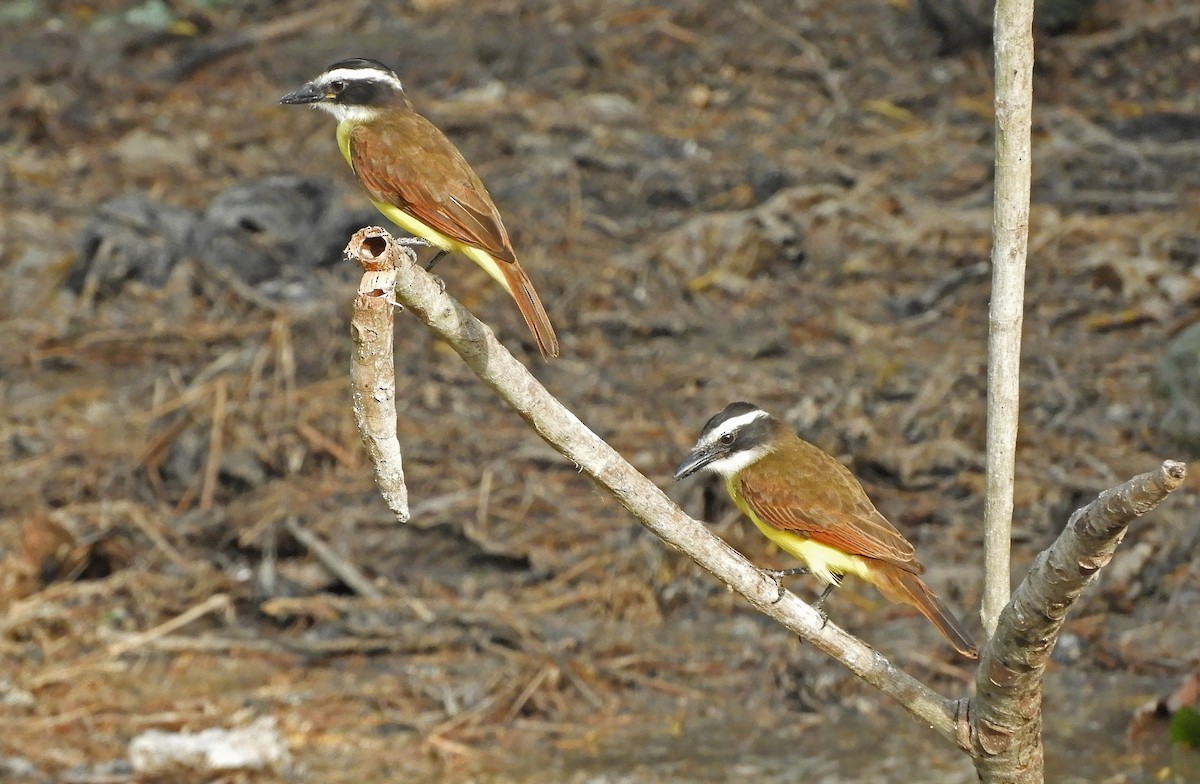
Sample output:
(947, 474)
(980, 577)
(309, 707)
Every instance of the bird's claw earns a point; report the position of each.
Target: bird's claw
(818, 605)
(824, 595)
(776, 576)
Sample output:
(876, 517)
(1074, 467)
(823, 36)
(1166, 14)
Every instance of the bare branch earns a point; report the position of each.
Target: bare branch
(1010, 237)
(425, 299)
(372, 367)
(1005, 715)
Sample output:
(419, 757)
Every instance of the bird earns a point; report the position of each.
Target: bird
(813, 508)
(418, 179)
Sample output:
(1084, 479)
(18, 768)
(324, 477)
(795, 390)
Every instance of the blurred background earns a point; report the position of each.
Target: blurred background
(781, 201)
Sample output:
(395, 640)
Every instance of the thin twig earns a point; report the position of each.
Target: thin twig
(907, 307)
(527, 693)
(220, 601)
(216, 446)
(328, 607)
(137, 515)
(1010, 238)
(347, 572)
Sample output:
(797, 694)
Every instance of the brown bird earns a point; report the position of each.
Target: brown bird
(418, 179)
(814, 509)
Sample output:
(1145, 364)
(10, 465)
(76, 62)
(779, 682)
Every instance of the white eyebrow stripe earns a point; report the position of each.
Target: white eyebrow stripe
(361, 75)
(729, 425)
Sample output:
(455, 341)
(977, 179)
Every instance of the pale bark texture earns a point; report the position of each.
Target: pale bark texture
(372, 365)
(1010, 238)
(1006, 712)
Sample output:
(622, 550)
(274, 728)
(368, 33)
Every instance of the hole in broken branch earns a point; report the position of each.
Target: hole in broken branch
(374, 247)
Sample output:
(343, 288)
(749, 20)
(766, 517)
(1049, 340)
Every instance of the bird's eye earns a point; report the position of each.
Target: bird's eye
(726, 439)
(337, 85)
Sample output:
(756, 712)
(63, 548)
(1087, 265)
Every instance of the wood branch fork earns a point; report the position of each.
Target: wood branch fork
(421, 294)
(999, 727)
(1005, 716)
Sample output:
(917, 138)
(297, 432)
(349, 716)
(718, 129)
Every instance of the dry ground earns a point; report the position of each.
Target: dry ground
(155, 443)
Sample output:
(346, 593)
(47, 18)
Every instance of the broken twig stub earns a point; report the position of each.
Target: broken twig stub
(372, 364)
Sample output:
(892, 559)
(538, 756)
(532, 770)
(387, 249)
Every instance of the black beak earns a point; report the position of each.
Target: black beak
(306, 94)
(695, 460)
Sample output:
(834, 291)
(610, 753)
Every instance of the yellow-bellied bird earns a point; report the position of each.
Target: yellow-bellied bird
(814, 509)
(418, 179)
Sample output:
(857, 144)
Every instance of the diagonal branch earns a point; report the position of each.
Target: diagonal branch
(475, 343)
(1005, 714)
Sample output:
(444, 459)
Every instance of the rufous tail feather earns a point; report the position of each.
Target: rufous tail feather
(899, 585)
(512, 277)
(523, 293)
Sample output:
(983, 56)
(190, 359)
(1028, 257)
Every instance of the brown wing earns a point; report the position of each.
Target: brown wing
(825, 503)
(415, 167)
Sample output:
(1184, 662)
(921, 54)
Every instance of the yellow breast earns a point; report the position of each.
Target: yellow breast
(343, 139)
(825, 562)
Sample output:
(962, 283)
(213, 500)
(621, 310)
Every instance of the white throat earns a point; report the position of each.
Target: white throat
(355, 114)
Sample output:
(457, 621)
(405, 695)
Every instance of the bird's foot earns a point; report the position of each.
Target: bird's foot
(413, 242)
(436, 258)
(441, 283)
(818, 605)
(781, 573)
(777, 576)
